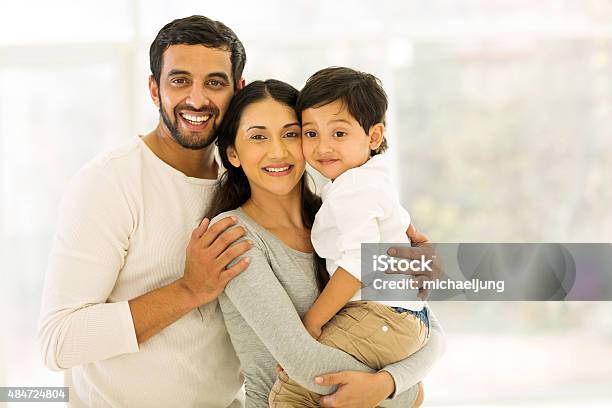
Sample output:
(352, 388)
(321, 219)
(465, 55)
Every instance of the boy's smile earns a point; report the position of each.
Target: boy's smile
(333, 141)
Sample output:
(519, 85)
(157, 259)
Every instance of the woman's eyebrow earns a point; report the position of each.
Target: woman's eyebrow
(256, 127)
(291, 124)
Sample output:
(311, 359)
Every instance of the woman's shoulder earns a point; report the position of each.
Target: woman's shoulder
(252, 229)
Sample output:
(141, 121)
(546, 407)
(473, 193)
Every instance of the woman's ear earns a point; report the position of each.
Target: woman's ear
(232, 156)
(377, 135)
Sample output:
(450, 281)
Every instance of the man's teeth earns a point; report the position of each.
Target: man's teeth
(276, 169)
(196, 120)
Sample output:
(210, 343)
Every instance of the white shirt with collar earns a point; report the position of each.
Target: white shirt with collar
(360, 206)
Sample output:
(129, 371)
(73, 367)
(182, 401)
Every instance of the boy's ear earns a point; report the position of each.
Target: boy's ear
(376, 134)
(154, 90)
(232, 156)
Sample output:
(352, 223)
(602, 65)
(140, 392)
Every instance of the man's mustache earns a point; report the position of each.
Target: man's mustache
(210, 109)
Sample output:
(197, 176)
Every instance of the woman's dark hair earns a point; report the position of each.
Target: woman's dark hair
(361, 93)
(233, 189)
(196, 30)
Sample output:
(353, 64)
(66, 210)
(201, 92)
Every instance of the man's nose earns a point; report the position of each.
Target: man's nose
(197, 98)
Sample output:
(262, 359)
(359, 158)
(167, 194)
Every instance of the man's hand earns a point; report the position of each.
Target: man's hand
(420, 247)
(356, 389)
(208, 254)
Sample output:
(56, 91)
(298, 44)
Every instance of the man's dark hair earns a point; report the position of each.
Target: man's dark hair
(361, 93)
(197, 30)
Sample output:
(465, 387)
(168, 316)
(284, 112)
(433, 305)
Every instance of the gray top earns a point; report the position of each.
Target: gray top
(262, 308)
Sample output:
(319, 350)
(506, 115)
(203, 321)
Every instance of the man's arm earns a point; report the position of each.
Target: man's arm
(77, 324)
(205, 278)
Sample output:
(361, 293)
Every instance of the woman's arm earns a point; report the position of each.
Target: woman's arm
(408, 372)
(264, 304)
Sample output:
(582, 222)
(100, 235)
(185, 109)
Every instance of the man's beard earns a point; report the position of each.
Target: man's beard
(180, 138)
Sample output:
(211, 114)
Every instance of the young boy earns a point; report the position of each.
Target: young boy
(342, 112)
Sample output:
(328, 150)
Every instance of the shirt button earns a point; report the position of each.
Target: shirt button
(385, 328)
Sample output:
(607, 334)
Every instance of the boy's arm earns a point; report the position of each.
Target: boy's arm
(338, 291)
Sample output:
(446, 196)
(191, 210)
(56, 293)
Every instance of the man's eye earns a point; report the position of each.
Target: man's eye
(339, 134)
(215, 83)
(310, 134)
(179, 81)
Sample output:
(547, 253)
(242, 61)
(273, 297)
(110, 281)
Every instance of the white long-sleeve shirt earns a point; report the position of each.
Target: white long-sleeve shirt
(124, 225)
(360, 206)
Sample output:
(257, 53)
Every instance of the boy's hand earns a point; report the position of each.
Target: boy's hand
(420, 246)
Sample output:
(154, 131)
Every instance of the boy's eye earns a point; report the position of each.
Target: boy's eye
(310, 134)
(339, 134)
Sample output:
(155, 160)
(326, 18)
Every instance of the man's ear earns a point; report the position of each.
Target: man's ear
(376, 134)
(232, 156)
(241, 84)
(154, 90)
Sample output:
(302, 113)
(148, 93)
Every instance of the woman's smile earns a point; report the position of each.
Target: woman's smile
(278, 170)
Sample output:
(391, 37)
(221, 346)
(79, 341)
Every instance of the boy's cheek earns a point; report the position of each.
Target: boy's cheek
(307, 152)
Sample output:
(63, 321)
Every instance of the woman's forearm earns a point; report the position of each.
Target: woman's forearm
(413, 369)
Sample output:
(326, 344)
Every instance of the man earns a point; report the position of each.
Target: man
(129, 311)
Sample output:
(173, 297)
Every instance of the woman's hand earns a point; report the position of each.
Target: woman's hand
(356, 389)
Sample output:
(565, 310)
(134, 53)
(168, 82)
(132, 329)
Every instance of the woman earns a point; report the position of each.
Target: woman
(265, 187)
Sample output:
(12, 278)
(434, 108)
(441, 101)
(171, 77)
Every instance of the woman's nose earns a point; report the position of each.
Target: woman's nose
(277, 148)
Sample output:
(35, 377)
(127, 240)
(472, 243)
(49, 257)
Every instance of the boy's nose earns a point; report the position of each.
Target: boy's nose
(323, 146)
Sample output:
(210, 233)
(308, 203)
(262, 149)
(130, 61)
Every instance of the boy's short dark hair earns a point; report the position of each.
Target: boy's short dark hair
(197, 30)
(362, 94)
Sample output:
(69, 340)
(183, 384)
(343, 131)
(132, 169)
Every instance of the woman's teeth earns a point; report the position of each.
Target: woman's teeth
(276, 169)
(194, 119)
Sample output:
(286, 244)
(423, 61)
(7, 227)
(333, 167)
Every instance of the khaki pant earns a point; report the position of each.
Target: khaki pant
(371, 332)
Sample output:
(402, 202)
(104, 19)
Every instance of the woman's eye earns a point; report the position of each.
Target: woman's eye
(257, 137)
(292, 134)
(310, 134)
(339, 134)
